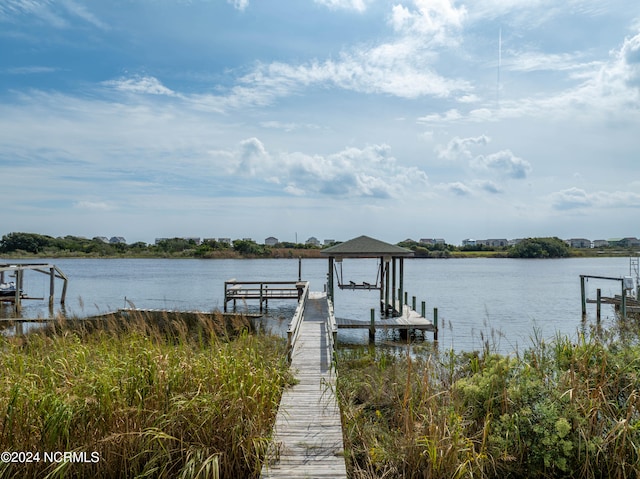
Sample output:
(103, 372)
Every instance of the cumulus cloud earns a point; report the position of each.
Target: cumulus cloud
(429, 17)
(574, 198)
(505, 163)
(630, 58)
(458, 148)
(352, 172)
(458, 188)
(252, 156)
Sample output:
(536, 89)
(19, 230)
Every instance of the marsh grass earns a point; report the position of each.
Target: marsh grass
(560, 409)
(154, 397)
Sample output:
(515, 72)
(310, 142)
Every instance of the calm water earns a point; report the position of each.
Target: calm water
(503, 299)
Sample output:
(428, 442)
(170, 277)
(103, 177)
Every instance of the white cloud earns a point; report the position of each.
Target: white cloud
(357, 5)
(458, 148)
(505, 163)
(458, 188)
(93, 205)
(352, 172)
(574, 198)
(435, 18)
(140, 84)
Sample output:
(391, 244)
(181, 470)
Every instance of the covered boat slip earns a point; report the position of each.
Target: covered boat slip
(390, 276)
(395, 311)
(17, 272)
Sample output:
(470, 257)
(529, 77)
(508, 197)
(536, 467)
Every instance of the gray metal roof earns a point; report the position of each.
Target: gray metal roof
(365, 247)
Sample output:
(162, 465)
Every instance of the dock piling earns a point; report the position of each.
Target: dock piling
(435, 324)
(372, 326)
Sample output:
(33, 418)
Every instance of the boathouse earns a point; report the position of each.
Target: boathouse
(390, 278)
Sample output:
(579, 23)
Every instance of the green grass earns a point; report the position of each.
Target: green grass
(558, 410)
(182, 400)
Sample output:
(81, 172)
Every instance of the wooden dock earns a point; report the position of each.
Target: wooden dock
(307, 439)
(263, 291)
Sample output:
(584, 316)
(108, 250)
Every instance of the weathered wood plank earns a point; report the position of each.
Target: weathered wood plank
(307, 440)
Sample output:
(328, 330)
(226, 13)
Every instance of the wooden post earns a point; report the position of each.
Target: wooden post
(330, 279)
(17, 301)
(386, 290)
(372, 326)
(435, 324)
(394, 291)
(299, 268)
(401, 276)
(413, 303)
(598, 305)
(63, 295)
(623, 304)
(52, 280)
(583, 297)
(424, 309)
(261, 296)
(382, 283)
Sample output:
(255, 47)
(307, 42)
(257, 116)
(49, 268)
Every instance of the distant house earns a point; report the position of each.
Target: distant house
(579, 243)
(224, 240)
(469, 242)
(427, 241)
(271, 241)
(313, 241)
(104, 239)
(600, 243)
(497, 242)
(329, 242)
(117, 240)
(630, 242)
(439, 241)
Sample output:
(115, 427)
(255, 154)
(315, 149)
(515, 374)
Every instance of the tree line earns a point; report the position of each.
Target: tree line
(42, 245)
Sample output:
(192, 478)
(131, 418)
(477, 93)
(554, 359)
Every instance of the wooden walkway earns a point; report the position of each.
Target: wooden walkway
(307, 440)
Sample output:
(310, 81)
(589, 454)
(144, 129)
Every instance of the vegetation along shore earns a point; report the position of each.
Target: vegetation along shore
(33, 245)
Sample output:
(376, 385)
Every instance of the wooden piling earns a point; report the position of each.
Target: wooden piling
(583, 297)
(435, 324)
(598, 304)
(372, 326)
(52, 277)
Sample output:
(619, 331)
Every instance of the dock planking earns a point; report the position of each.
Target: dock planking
(307, 439)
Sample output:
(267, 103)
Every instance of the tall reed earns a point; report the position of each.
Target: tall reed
(151, 397)
(560, 409)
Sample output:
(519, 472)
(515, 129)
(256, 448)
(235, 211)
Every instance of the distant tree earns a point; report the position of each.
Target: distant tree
(540, 248)
(29, 242)
(249, 247)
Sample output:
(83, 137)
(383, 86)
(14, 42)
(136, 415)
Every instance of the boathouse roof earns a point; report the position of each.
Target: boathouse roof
(365, 247)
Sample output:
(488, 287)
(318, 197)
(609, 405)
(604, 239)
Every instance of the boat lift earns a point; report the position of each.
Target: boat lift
(17, 271)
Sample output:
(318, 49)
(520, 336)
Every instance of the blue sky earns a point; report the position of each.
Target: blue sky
(327, 118)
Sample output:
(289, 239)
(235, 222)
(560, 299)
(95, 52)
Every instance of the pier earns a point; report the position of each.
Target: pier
(307, 437)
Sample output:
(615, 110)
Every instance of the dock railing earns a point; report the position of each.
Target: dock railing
(263, 291)
(296, 321)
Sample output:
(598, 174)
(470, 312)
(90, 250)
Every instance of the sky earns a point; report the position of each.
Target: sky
(326, 118)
